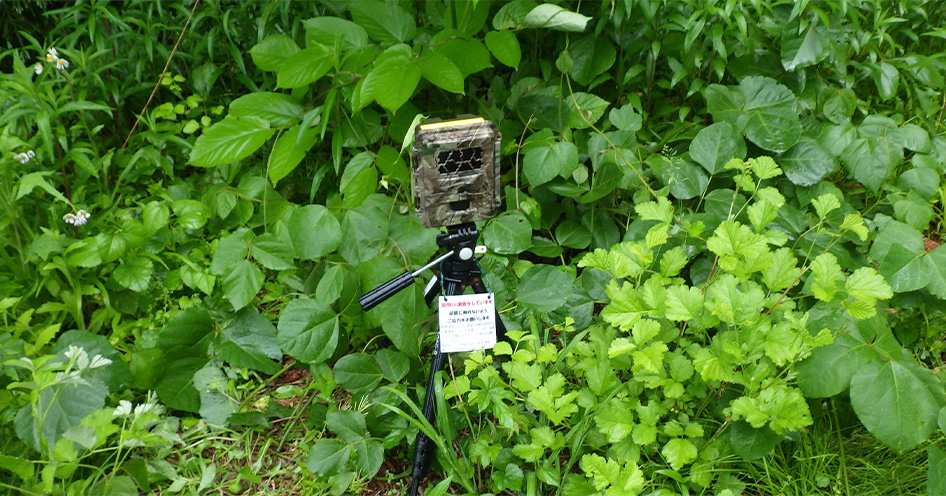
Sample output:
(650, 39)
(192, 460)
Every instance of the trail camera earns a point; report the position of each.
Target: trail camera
(456, 171)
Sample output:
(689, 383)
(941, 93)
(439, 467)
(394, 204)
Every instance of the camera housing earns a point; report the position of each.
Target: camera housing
(456, 171)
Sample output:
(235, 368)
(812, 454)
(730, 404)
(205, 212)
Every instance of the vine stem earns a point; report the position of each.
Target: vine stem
(161, 76)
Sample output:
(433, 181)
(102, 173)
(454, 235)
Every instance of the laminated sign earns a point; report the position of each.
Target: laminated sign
(467, 322)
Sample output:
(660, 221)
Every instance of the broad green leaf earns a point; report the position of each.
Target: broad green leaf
(347, 425)
(468, 54)
(272, 52)
(21, 467)
(826, 273)
(369, 456)
(913, 137)
(751, 443)
(505, 47)
(898, 402)
(249, 340)
(114, 375)
(314, 232)
(887, 79)
(28, 182)
(62, 406)
(289, 151)
(782, 271)
(768, 117)
(840, 106)
(904, 270)
(273, 251)
(805, 50)
(573, 235)
(867, 285)
(241, 282)
(392, 82)
(357, 373)
(365, 231)
(155, 215)
(626, 118)
(147, 367)
(683, 302)
(304, 67)
(187, 329)
(592, 56)
(230, 250)
(937, 284)
(229, 140)
(439, 70)
(685, 179)
(715, 145)
(524, 377)
(554, 17)
(359, 179)
(394, 364)
(544, 288)
(893, 233)
(191, 214)
(135, 274)
(176, 389)
(625, 308)
(586, 109)
(385, 22)
(508, 234)
(936, 475)
(724, 103)
(308, 330)
(334, 31)
(871, 160)
(215, 404)
(279, 109)
(807, 162)
(328, 457)
(542, 164)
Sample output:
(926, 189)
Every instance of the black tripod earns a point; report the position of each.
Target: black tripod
(458, 271)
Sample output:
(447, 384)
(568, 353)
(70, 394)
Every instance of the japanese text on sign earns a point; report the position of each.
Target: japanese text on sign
(467, 322)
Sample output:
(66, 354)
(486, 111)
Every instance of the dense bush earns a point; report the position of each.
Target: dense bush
(717, 214)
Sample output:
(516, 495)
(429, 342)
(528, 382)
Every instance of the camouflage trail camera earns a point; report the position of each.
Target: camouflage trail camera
(456, 171)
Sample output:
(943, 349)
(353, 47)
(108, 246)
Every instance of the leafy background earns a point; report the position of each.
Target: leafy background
(719, 255)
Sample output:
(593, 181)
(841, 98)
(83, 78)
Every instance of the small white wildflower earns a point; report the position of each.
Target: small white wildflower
(82, 217)
(99, 361)
(23, 158)
(124, 408)
(30, 154)
(52, 55)
(69, 218)
(62, 64)
(38, 68)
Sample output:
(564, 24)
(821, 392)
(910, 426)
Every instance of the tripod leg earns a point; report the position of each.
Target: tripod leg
(423, 446)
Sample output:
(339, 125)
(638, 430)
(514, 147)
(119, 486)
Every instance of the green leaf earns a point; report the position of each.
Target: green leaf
(807, 162)
(936, 475)
(543, 163)
(314, 232)
(468, 54)
(28, 182)
(394, 364)
(826, 273)
(751, 443)
(937, 284)
(592, 56)
(279, 109)
(806, 50)
(347, 425)
(867, 285)
(328, 457)
(626, 118)
(913, 137)
(186, 329)
(781, 407)
(887, 79)
(176, 389)
(724, 103)
(334, 31)
(684, 178)
(241, 282)
(215, 404)
(365, 230)
(586, 109)
(384, 22)
(308, 331)
(439, 70)
(505, 47)
(304, 67)
(135, 274)
(62, 406)
(828, 371)
(871, 160)
(273, 251)
(509, 233)
(625, 308)
(230, 250)
(289, 151)
(357, 373)
(191, 214)
(249, 340)
(392, 82)
(679, 452)
(554, 17)
(683, 302)
(272, 52)
(898, 402)
(229, 140)
(155, 215)
(543, 288)
(768, 117)
(841, 106)
(906, 271)
(573, 235)
(21, 467)
(114, 375)
(717, 144)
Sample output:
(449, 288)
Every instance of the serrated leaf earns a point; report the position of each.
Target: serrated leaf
(249, 340)
(679, 452)
(135, 274)
(229, 140)
(867, 285)
(825, 204)
(826, 273)
(308, 330)
(683, 302)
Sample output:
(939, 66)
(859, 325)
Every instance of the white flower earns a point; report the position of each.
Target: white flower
(62, 64)
(124, 408)
(52, 55)
(38, 68)
(25, 157)
(69, 218)
(77, 219)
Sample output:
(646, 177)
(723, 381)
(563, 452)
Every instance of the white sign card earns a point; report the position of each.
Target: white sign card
(467, 322)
